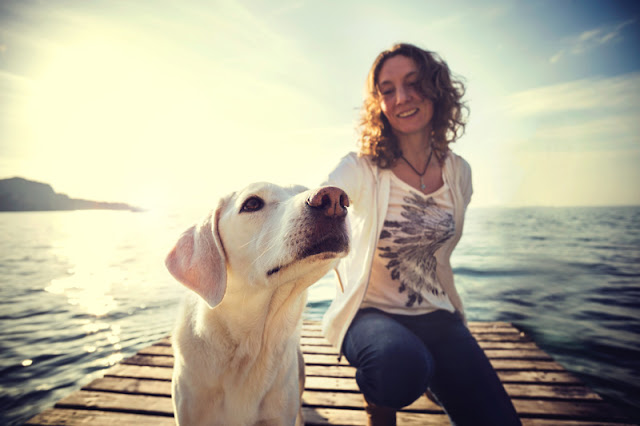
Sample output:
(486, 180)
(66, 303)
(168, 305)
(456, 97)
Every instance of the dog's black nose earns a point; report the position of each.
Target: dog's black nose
(331, 200)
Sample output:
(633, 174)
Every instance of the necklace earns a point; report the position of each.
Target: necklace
(422, 185)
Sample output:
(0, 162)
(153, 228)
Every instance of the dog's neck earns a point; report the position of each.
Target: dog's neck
(250, 310)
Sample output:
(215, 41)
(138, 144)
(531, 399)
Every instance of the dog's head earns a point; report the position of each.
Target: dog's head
(263, 235)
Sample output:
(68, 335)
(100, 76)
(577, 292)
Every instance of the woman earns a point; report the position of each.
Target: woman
(400, 320)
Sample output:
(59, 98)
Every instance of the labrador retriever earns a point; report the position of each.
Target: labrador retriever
(249, 264)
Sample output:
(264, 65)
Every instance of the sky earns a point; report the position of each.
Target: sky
(165, 103)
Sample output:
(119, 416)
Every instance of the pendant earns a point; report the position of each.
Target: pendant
(422, 185)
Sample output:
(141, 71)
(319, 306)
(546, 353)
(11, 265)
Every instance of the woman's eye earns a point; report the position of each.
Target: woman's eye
(252, 204)
(413, 85)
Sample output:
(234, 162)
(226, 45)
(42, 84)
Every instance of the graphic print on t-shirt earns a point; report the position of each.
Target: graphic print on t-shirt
(410, 246)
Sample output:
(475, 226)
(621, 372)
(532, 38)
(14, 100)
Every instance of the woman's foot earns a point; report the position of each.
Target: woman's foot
(379, 415)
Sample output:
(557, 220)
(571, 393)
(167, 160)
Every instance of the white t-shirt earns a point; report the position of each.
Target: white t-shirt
(403, 275)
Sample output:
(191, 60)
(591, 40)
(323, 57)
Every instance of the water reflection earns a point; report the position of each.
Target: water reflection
(87, 291)
(80, 291)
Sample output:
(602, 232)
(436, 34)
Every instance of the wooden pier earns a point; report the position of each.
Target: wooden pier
(138, 390)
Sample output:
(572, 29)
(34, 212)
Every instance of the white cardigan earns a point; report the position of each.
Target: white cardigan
(368, 189)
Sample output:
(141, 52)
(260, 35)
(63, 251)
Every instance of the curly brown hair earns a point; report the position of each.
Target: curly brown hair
(436, 83)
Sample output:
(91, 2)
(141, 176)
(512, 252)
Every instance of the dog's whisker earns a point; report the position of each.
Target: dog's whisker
(271, 245)
(267, 233)
(265, 251)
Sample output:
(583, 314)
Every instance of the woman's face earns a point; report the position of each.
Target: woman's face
(406, 109)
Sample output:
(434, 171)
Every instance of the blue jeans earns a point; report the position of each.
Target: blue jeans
(398, 357)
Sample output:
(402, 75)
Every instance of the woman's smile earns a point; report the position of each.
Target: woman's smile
(408, 111)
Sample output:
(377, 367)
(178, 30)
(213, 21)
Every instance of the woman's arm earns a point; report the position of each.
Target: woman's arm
(348, 175)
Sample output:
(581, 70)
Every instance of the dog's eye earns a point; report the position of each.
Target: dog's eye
(253, 204)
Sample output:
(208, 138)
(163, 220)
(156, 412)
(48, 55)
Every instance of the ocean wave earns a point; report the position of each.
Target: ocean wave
(474, 272)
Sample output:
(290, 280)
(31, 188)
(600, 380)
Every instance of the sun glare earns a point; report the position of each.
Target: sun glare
(113, 114)
(93, 91)
(90, 254)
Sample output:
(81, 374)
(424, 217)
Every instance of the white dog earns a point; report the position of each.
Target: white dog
(249, 263)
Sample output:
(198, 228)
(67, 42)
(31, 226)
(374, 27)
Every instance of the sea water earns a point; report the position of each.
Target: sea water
(81, 290)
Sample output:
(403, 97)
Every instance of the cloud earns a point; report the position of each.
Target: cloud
(11, 78)
(599, 36)
(591, 39)
(286, 9)
(594, 114)
(611, 133)
(590, 94)
(574, 178)
(555, 58)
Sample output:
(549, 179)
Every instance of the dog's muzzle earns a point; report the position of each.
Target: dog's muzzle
(325, 231)
(328, 232)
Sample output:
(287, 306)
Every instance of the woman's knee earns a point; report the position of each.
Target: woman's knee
(397, 373)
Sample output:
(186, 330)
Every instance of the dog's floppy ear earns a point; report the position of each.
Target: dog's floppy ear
(198, 259)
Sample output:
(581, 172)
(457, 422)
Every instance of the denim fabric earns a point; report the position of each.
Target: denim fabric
(398, 357)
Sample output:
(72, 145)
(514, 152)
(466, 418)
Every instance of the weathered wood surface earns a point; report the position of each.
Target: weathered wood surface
(138, 390)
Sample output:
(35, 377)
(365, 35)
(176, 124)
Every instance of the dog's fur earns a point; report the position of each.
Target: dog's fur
(249, 263)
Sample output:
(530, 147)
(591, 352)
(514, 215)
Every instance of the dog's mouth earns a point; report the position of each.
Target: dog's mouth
(330, 246)
(274, 270)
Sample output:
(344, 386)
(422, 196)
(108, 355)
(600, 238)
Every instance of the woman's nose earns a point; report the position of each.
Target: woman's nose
(403, 94)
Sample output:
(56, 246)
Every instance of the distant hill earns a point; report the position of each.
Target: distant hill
(18, 194)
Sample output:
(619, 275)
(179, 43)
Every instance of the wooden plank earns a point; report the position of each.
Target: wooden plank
(140, 372)
(157, 350)
(546, 377)
(346, 417)
(130, 386)
(500, 345)
(60, 416)
(163, 388)
(493, 349)
(150, 360)
(514, 352)
(484, 344)
(315, 341)
(331, 360)
(316, 325)
(498, 364)
(164, 342)
(576, 410)
(127, 403)
(515, 390)
(480, 337)
(507, 376)
(558, 422)
(525, 407)
(479, 333)
(533, 354)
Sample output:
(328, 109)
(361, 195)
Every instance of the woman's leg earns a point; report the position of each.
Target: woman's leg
(464, 380)
(393, 366)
